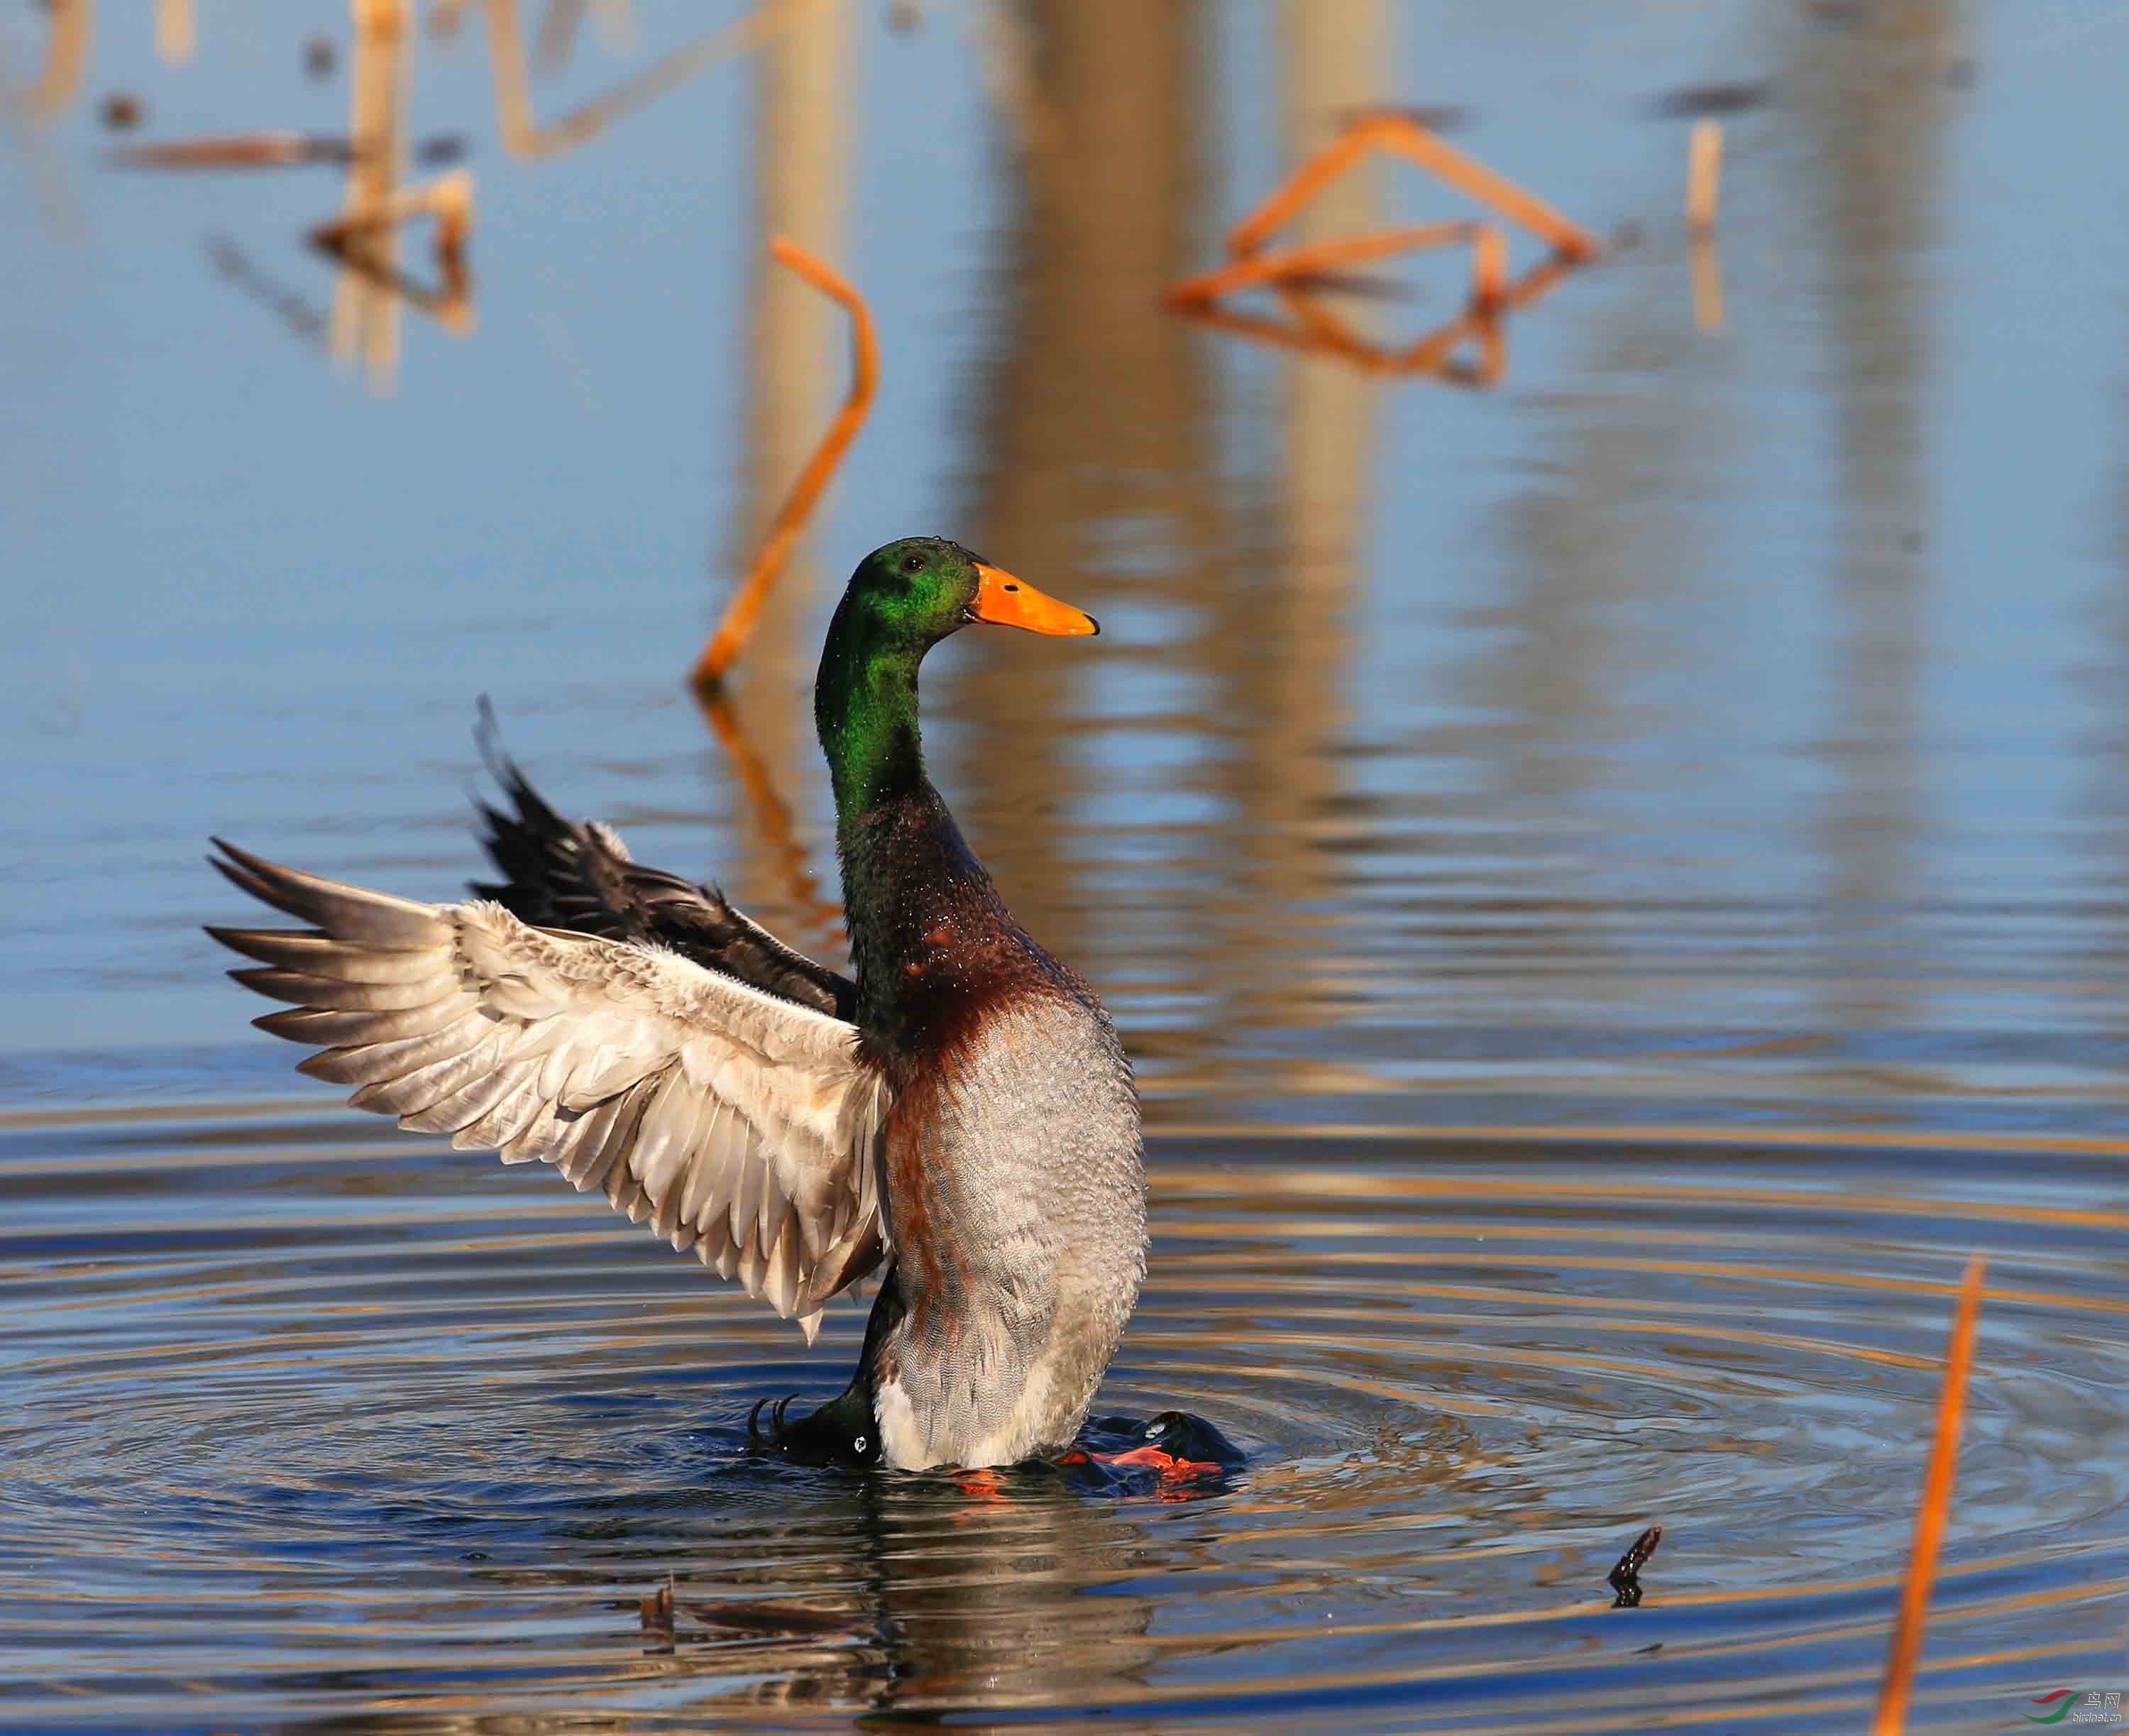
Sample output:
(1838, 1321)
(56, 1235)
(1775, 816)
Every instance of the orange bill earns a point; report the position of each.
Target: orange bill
(1005, 601)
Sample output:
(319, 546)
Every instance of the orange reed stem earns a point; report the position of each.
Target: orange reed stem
(1892, 1693)
(740, 614)
(1409, 140)
(1703, 175)
(1320, 256)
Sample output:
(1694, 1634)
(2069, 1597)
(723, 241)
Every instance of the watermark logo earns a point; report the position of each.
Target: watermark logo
(2076, 1706)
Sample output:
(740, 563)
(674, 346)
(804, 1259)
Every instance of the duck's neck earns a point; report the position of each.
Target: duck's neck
(911, 889)
(865, 706)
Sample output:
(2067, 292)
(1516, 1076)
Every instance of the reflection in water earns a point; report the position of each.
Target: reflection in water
(1329, 241)
(1870, 181)
(818, 919)
(1293, 676)
(936, 1600)
(176, 32)
(1315, 330)
(364, 321)
(1092, 469)
(283, 300)
(68, 38)
(362, 244)
(797, 348)
(524, 136)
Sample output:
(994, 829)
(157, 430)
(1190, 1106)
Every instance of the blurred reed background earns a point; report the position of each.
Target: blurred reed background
(1608, 849)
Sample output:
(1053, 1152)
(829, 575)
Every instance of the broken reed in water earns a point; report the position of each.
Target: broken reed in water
(448, 198)
(1316, 328)
(1265, 268)
(737, 627)
(1906, 1642)
(1403, 138)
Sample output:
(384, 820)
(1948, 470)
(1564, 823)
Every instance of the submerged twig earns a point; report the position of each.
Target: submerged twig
(237, 150)
(448, 198)
(656, 1617)
(234, 267)
(1624, 1578)
(1906, 1643)
(740, 614)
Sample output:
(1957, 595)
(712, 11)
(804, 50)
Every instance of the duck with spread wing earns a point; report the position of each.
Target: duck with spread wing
(957, 1117)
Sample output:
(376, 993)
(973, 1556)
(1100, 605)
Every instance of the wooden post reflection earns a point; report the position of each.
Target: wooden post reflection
(365, 307)
(796, 350)
(1093, 415)
(1291, 700)
(1877, 117)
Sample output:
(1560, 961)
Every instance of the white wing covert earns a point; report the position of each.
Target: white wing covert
(735, 1123)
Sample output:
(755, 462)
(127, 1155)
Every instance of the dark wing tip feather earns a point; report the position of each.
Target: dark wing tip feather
(532, 808)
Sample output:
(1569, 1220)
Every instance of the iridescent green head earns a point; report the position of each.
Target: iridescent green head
(916, 592)
(903, 600)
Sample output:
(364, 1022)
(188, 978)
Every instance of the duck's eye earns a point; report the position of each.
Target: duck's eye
(912, 563)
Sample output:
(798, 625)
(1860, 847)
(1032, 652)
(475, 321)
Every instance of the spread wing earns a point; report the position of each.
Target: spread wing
(734, 1121)
(557, 874)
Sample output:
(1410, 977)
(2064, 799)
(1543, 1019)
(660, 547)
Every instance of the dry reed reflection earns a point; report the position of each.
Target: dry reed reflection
(176, 31)
(1704, 180)
(1316, 329)
(364, 321)
(523, 136)
(354, 242)
(820, 919)
(67, 39)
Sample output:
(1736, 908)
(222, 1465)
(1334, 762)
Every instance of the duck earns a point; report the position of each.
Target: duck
(956, 1118)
